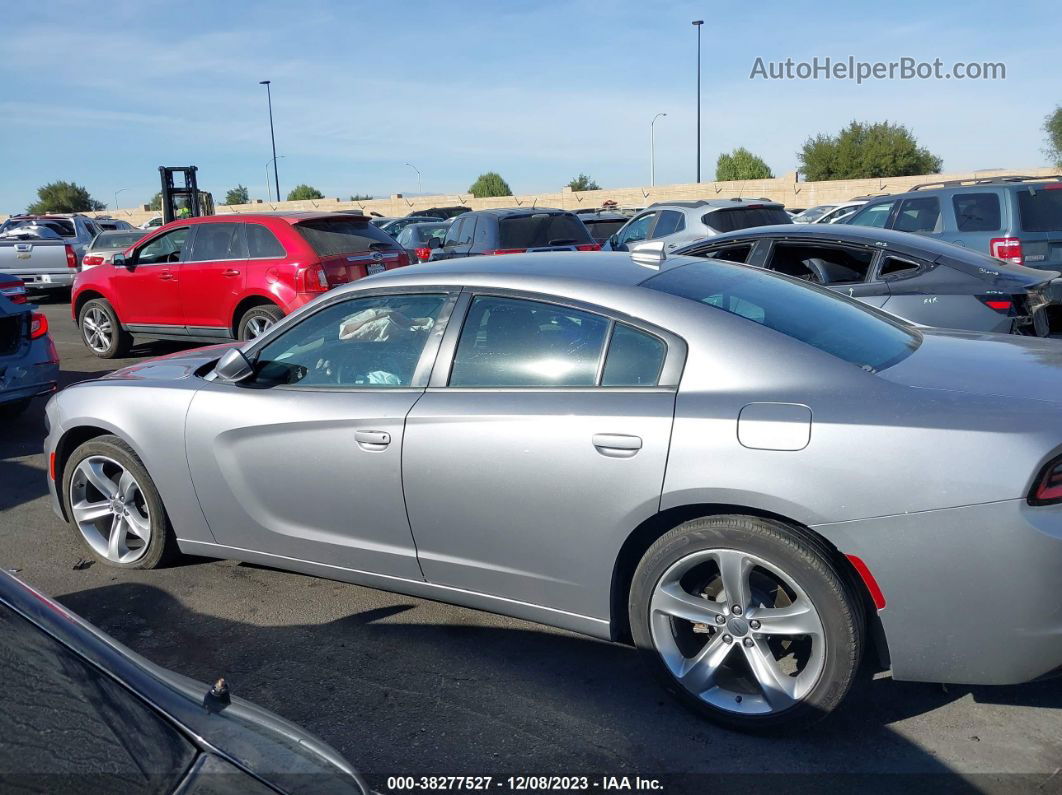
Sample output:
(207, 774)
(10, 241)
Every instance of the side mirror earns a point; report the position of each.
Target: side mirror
(434, 242)
(234, 366)
(121, 261)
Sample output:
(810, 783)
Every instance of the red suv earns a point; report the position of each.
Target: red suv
(224, 277)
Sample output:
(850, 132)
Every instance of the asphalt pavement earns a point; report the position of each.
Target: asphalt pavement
(404, 686)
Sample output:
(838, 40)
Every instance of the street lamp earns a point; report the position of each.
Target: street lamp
(272, 138)
(652, 149)
(116, 196)
(697, 24)
(272, 160)
(419, 189)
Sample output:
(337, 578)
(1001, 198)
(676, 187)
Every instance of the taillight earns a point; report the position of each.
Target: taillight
(38, 325)
(423, 254)
(92, 259)
(505, 251)
(403, 259)
(1047, 490)
(313, 279)
(16, 295)
(71, 257)
(1007, 249)
(999, 303)
(588, 247)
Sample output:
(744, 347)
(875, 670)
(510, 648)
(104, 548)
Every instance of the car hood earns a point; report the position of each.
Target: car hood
(172, 367)
(992, 365)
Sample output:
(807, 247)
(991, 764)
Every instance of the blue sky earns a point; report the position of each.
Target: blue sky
(103, 93)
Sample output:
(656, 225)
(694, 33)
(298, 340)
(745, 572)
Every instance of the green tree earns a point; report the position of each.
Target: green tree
(238, 195)
(63, 197)
(489, 184)
(156, 202)
(741, 164)
(583, 182)
(1053, 128)
(863, 150)
(360, 197)
(302, 192)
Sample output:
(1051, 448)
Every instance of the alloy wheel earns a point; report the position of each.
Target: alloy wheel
(110, 510)
(257, 326)
(737, 632)
(97, 329)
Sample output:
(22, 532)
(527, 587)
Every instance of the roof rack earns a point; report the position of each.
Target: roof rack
(955, 183)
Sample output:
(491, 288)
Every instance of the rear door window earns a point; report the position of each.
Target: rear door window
(333, 236)
(876, 215)
(732, 218)
(919, 215)
(976, 212)
(215, 242)
(540, 230)
(262, 243)
(1040, 210)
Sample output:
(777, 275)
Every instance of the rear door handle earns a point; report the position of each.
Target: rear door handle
(372, 440)
(617, 445)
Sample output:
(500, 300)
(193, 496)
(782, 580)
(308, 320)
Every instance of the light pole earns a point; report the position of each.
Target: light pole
(419, 187)
(272, 160)
(652, 149)
(272, 138)
(116, 196)
(697, 24)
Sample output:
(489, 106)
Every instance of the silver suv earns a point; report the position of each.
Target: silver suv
(680, 223)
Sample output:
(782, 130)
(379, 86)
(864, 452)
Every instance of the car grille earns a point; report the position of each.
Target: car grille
(10, 333)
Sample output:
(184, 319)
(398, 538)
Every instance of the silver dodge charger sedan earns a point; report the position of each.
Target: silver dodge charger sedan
(754, 480)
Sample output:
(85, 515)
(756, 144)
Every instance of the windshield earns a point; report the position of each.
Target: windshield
(834, 324)
(542, 229)
(331, 236)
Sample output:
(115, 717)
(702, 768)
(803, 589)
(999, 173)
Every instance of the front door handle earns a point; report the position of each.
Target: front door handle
(166, 276)
(230, 272)
(372, 440)
(617, 445)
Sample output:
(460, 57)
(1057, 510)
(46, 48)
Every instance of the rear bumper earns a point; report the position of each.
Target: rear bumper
(59, 280)
(27, 376)
(972, 593)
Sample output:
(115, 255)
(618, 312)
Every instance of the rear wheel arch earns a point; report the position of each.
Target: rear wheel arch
(245, 304)
(88, 295)
(645, 535)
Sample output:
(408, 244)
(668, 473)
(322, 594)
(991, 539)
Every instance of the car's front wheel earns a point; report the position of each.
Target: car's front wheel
(113, 504)
(101, 331)
(747, 622)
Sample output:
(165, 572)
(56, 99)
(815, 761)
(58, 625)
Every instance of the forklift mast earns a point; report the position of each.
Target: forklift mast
(181, 197)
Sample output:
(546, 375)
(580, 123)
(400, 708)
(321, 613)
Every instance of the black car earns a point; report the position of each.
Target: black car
(442, 213)
(79, 712)
(513, 230)
(917, 278)
(603, 223)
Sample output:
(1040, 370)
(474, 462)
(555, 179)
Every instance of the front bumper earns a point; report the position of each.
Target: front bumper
(972, 594)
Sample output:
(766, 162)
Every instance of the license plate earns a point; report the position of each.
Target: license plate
(376, 268)
(22, 255)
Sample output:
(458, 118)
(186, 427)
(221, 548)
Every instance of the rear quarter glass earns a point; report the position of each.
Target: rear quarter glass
(1040, 209)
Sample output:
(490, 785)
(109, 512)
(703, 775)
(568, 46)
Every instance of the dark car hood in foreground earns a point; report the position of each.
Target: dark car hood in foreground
(993, 365)
(254, 738)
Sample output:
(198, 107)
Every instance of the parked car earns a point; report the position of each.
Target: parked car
(394, 226)
(416, 239)
(842, 210)
(376, 220)
(513, 230)
(680, 223)
(108, 224)
(217, 278)
(79, 706)
(1014, 219)
(442, 213)
(44, 251)
(29, 364)
(919, 279)
(153, 222)
(812, 213)
(603, 223)
(106, 244)
(687, 453)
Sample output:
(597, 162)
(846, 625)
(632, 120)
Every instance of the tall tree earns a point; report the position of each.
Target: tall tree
(302, 192)
(63, 197)
(489, 184)
(156, 202)
(1053, 128)
(741, 164)
(583, 182)
(238, 195)
(863, 150)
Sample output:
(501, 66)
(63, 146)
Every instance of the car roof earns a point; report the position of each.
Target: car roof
(504, 211)
(291, 216)
(716, 204)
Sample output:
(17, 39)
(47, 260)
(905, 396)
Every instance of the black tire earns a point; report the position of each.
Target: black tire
(9, 411)
(114, 345)
(807, 561)
(267, 313)
(162, 546)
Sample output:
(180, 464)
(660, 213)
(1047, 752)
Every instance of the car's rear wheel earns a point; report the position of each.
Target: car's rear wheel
(113, 504)
(747, 622)
(257, 320)
(101, 331)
